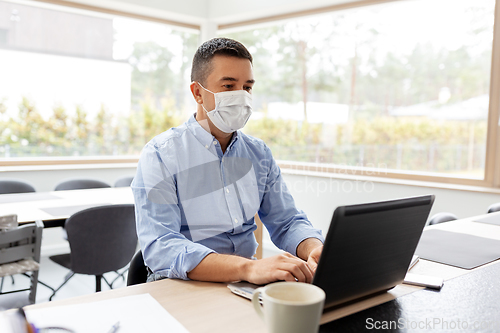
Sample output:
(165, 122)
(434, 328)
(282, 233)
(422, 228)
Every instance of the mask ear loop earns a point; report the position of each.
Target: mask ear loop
(208, 91)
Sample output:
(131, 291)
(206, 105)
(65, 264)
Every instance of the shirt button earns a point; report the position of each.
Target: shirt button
(235, 220)
(206, 146)
(215, 142)
(227, 190)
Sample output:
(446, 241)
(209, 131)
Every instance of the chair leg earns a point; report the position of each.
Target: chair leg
(110, 285)
(1, 283)
(122, 275)
(65, 281)
(46, 285)
(70, 274)
(34, 285)
(41, 282)
(98, 283)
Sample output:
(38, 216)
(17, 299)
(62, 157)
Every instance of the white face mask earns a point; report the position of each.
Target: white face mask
(232, 109)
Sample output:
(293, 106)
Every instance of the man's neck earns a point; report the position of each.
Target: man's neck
(223, 138)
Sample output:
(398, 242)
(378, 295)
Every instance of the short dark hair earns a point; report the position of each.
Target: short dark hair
(202, 61)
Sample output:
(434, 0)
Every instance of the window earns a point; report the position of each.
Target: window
(402, 86)
(79, 83)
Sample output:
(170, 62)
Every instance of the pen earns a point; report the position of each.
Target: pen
(114, 328)
(29, 327)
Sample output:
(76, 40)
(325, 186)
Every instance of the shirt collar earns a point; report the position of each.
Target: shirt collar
(205, 138)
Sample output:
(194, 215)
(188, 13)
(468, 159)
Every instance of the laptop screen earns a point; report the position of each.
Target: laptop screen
(369, 247)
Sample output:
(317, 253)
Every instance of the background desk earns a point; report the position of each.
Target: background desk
(30, 207)
(211, 307)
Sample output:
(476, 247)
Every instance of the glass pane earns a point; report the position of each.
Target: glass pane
(400, 86)
(77, 83)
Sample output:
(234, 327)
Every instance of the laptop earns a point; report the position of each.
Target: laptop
(368, 249)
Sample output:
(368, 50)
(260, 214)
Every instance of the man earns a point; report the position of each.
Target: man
(198, 187)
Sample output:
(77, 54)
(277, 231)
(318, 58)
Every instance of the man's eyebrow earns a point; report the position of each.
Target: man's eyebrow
(228, 78)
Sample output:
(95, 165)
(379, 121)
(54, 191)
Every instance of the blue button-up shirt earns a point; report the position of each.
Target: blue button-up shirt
(192, 199)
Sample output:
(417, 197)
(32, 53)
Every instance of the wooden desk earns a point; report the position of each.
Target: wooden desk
(211, 307)
(43, 206)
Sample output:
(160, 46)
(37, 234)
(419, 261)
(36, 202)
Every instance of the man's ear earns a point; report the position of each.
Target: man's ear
(196, 91)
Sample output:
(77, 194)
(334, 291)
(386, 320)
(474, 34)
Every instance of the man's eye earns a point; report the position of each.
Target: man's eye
(228, 86)
(249, 89)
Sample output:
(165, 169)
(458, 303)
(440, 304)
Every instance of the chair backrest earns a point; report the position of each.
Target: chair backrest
(8, 186)
(80, 184)
(137, 271)
(20, 251)
(442, 217)
(124, 182)
(494, 208)
(20, 243)
(102, 239)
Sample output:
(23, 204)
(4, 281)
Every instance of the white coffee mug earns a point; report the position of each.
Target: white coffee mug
(290, 307)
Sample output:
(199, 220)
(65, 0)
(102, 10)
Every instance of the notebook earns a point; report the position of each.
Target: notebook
(368, 249)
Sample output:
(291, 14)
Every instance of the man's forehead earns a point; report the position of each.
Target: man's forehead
(227, 68)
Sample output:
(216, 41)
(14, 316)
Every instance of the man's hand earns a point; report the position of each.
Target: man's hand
(314, 257)
(310, 249)
(282, 267)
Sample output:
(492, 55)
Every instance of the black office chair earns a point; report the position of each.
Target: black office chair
(442, 217)
(137, 271)
(494, 208)
(102, 239)
(80, 184)
(9, 186)
(124, 182)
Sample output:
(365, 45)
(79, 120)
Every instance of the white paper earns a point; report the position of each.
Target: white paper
(138, 313)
